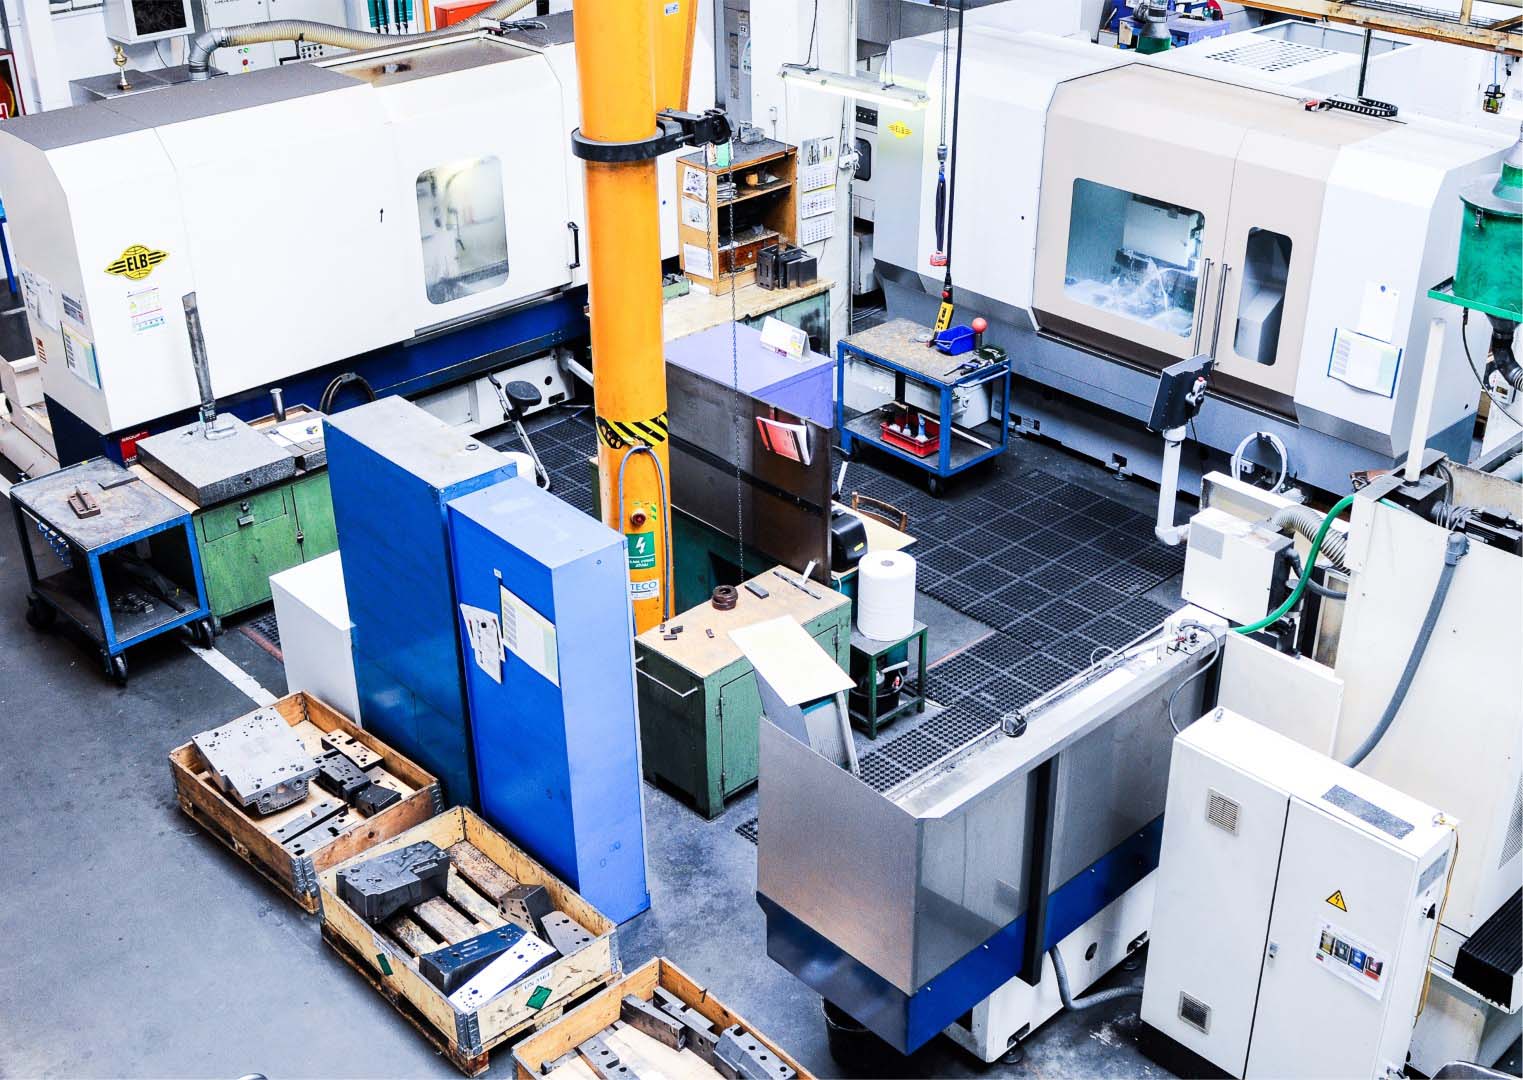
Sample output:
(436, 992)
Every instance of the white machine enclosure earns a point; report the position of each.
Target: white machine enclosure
(1296, 903)
(1458, 740)
(1367, 209)
(316, 634)
(1231, 565)
(292, 201)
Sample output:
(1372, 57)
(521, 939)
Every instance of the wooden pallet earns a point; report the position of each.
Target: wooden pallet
(600, 1012)
(248, 836)
(484, 866)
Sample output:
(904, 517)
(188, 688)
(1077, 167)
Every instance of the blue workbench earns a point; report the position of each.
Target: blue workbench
(124, 573)
(893, 347)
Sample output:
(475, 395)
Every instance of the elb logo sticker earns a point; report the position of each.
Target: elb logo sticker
(137, 262)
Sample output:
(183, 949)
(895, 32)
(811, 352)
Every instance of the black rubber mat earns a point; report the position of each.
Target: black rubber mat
(749, 829)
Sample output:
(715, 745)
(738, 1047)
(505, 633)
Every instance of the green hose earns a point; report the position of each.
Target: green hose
(1311, 561)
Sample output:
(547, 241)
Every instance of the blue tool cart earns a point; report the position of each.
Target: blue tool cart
(545, 614)
(392, 469)
(116, 559)
(946, 413)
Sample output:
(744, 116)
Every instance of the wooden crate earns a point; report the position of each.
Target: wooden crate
(484, 865)
(583, 1023)
(248, 836)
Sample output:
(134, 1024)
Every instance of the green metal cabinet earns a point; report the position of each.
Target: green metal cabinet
(245, 541)
(699, 704)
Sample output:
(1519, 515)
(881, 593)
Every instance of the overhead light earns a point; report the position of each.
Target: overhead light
(853, 86)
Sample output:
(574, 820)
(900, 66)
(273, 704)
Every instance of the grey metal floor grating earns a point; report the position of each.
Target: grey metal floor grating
(1058, 571)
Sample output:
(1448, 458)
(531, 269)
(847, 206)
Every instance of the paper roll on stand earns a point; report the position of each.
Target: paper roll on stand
(886, 595)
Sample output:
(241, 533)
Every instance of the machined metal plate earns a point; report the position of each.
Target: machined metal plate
(307, 820)
(603, 1062)
(338, 775)
(381, 886)
(212, 471)
(564, 933)
(353, 749)
(528, 955)
(740, 1056)
(258, 760)
(374, 798)
(527, 905)
(451, 967)
(321, 833)
(649, 1020)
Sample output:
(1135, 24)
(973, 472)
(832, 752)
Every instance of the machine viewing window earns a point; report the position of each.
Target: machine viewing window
(1135, 256)
(463, 228)
(1266, 264)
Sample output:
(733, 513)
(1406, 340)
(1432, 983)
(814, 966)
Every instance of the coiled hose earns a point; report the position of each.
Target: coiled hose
(1306, 521)
(1088, 1001)
(199, 58)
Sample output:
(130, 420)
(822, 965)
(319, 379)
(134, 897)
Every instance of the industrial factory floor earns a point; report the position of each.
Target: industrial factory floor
(138, 946)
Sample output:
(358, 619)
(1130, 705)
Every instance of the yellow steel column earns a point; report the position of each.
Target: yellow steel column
(615, 61)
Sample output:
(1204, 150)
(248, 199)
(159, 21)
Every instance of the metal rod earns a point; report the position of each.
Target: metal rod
(1364, 59)
(198, 358)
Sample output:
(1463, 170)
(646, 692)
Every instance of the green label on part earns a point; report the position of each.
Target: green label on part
(642, 550)
(383, 963)
(539, 997)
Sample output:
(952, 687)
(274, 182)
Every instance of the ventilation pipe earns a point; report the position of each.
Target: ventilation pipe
(199, 58)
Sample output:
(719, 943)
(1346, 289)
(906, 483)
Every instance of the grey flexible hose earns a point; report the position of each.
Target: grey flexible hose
(1455, 551)
(1088, 1001)
(199, 58)
(1306, 521)
(1313, 585)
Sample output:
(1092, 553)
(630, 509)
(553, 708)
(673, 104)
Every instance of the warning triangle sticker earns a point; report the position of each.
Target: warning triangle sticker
(1337, 901)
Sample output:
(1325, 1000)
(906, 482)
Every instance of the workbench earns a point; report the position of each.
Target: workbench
(244, 541)
(699, 705)
(805, 306)
(899, 347)
(124, 572)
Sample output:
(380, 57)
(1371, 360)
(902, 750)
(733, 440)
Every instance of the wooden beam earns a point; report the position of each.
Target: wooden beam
(1502, 37)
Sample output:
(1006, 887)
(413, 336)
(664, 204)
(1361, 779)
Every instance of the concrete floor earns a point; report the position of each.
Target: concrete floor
(137, 946)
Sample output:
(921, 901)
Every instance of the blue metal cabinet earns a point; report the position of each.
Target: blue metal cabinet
(393, 467)
(555, 727)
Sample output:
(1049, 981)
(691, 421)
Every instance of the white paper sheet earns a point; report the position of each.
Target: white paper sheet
(1363, 362)
(529, 636)
(1377, 311)
(484, 636)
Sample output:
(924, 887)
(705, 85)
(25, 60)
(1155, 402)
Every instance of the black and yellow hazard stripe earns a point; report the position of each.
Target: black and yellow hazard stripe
(617, 434)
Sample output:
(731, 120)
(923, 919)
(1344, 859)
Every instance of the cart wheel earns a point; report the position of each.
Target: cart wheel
(39, 615)
(202, 633)
(935, 485)
(116, 669)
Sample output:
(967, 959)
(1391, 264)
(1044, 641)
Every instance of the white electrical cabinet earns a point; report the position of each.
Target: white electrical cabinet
(1297, 901)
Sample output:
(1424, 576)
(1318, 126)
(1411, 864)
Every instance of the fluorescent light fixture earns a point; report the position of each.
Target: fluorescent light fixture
(853, 86)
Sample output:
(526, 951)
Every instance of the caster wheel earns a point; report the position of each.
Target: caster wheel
(116, 669)
(202, 634)
(40, 616)
(936, 486)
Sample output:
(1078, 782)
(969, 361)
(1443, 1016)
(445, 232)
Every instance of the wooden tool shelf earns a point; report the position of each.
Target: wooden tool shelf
(721, 237)
(250, 838)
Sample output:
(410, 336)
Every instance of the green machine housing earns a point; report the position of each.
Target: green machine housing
(1488, 276)
(699, 703)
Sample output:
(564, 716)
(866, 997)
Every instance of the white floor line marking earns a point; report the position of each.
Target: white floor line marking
(235, 675)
